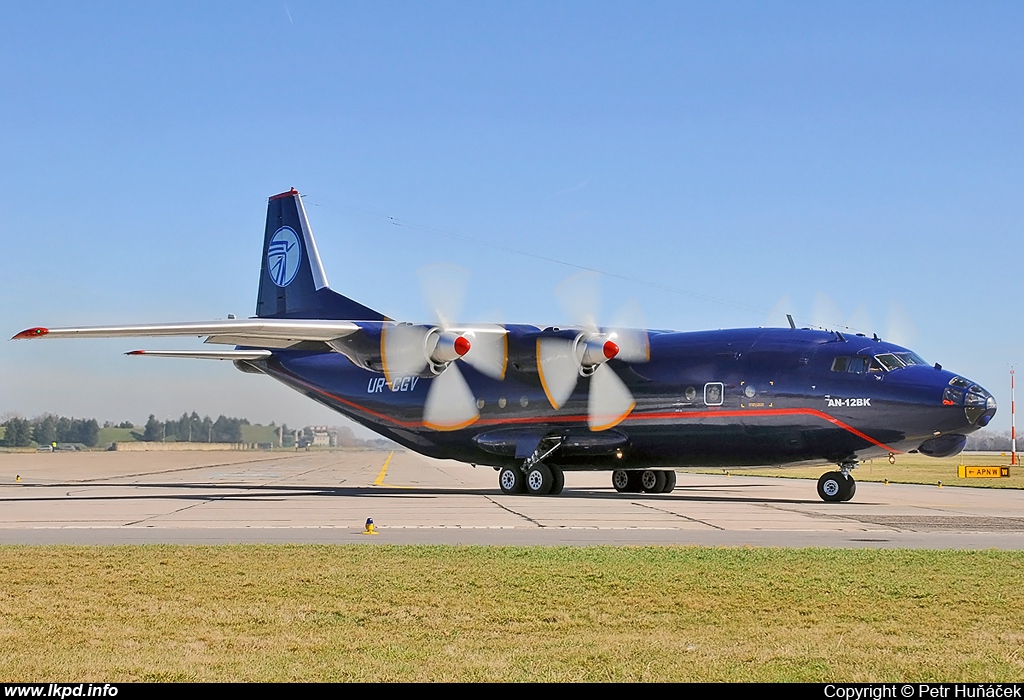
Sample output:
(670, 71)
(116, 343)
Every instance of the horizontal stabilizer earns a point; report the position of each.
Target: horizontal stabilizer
(232, 355)
(253, 331)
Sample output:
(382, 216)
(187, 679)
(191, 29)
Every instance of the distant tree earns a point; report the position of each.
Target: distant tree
(988, 440)
(153, 431)
(227, 429)
(65, 430)
(17, 432)
(126, 424)
(45, 430)
(88, 432)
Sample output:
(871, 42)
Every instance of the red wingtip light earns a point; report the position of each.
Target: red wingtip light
(610, 349)
(461, 345)
(136, 352)
(31, 333)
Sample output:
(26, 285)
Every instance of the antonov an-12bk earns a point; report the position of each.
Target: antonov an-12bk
(536, 402)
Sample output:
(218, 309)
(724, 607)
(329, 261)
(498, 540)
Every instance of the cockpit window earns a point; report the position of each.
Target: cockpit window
(889, 361)
(910, 358)
(858, 365)
(959, 382)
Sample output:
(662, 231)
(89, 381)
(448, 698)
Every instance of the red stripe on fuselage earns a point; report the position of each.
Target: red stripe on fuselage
(632, 417)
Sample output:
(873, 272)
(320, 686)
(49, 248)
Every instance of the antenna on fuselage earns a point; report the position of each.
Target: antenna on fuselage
(792, 325)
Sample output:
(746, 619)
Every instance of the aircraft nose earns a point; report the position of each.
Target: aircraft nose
(979, 406)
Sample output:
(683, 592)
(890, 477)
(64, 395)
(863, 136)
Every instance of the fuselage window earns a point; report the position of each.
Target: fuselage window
(952, 397)
(713, 393)
(840, 364)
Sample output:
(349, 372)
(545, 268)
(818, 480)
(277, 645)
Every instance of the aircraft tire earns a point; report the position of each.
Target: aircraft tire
(652, 480)
(511, 481)
(539, 480)
(621, 480)
(670, 481)
(832, 486)
(557, 481)
(851, 489)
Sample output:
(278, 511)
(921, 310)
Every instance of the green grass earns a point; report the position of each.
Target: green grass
(109, 435)
(908, 469)
(381, 613)
(259, 433)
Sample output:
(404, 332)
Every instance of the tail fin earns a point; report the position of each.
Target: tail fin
(292, 281)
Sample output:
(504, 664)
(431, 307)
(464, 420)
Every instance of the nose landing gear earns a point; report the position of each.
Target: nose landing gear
(839, 486)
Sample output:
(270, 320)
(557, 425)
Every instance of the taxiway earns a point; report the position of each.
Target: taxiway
(326, 497)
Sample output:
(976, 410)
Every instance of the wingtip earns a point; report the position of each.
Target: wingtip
(136, 352)
(31, 333)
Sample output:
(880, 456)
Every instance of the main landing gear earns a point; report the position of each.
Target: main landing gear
(836, 487)
(539, 480)
(647, 480)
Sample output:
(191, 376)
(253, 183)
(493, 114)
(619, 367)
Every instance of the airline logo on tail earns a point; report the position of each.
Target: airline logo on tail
(283, 256)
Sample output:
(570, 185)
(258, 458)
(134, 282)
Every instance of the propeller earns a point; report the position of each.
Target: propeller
(562, 359)
(434, 350)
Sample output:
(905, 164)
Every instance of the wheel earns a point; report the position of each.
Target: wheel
(620, 480)
(834, 487)
(557, 481)
(511, 480)
(851, 488)
(670, 481)
(539, 480)
(652, 480)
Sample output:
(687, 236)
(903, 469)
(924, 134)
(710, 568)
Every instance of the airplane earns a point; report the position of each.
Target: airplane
(535, 402)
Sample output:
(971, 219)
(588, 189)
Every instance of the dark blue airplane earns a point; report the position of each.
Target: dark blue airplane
(536, 402)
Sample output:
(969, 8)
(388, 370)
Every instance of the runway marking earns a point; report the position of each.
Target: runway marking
(379, 481)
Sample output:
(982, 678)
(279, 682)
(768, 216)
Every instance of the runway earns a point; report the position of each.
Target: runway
(325, 497)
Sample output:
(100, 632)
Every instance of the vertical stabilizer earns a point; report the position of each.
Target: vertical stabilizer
(292, 279)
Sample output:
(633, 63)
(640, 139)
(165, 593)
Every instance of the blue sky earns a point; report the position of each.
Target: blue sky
(854, 164)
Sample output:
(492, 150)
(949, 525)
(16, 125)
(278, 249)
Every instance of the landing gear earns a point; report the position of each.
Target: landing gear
(539, 480)
(511, 481)
(647, 481)
(557, 481)
(836, 487)
(626, 481)
(652, 480)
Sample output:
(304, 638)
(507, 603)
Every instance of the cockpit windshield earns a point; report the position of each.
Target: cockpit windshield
(910, 358)
(884, 362)
(889, 361)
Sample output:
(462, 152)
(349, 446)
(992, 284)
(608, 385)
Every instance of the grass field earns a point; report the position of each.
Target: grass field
(109, 435)
(369, 613)
(908, 469)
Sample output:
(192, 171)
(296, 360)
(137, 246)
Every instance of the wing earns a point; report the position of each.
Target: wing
(255, 332)
(233, 355)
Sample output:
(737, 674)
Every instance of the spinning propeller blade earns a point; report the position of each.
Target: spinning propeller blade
(433, 351)
(450, 402)
(562, 361)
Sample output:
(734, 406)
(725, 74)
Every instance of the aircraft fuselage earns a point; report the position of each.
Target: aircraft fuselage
(728, 398)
